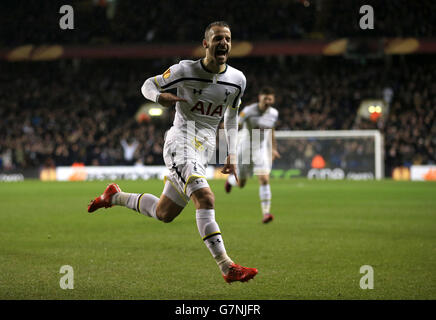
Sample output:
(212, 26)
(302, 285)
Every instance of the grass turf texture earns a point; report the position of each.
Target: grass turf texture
(323, 233)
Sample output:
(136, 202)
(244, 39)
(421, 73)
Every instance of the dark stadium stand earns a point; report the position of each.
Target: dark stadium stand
(78, 110)
(131, 21)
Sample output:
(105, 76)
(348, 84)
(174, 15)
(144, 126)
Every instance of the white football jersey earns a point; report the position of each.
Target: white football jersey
(208, 94)
(252, 118)
(256, 148)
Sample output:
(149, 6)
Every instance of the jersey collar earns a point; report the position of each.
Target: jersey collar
(205, 69)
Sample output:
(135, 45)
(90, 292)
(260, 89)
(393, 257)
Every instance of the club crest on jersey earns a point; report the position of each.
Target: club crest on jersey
(167, 74)
(208, 110)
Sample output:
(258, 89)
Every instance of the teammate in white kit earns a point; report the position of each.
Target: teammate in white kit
(207, 90)
(257, 158)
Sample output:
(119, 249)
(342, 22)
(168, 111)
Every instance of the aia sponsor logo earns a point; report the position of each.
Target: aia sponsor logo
(207, 109)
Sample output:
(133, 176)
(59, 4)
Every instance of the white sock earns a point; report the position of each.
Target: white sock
(144, 203)
(232, 180)
(265, 198)
(211, 235)
(147, 204)
(125, 199)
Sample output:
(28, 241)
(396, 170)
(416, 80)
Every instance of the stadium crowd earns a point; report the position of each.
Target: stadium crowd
(129, 21)
(59, 113)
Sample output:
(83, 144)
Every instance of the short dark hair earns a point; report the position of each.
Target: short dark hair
(213, 24)
(267, 90)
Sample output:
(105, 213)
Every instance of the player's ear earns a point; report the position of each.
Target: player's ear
(205, 45)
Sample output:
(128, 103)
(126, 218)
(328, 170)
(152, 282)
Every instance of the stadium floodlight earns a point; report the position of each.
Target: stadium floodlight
(150, 110)
(345, 154)
(373, 109)
(155, 111)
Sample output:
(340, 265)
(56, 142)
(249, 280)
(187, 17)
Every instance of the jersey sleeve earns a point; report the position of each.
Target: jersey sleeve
(238, 99)
(153, 86)
(242, 116)
(276, 117)
(170, 78)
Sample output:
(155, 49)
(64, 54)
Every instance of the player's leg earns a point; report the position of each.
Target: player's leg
(243, 171)
(171, 203)
(265, 197)
(262, 168)
(189, 176)
(231, 182)
(165, 208)
(244, 168)
(204, 201)
(242, 182)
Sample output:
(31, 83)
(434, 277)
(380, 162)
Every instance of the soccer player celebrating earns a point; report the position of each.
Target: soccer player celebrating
(260, 116)
(208, 89)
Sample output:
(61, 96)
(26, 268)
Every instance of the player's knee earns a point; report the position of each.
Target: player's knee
(205, 199)
(164, 216)
(167, 213)
(264, 180)
(167, 219)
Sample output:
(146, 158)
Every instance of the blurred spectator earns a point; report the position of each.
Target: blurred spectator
(129, 150)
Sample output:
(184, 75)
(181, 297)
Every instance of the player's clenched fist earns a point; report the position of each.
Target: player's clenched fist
(168, 99)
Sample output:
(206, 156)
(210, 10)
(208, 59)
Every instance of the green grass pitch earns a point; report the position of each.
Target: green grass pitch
(323, 233)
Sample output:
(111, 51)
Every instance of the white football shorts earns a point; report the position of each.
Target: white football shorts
(255, 160)
(186, 160)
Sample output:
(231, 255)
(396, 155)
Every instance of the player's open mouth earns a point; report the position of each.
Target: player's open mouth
(221, 52)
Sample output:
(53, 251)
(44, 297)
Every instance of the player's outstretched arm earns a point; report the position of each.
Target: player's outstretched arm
(168, 99)
(151, 91)
(153, 87)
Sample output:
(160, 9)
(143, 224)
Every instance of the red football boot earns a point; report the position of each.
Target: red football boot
(104, 201)
(228, 187)
(267, 218)
(239, 273)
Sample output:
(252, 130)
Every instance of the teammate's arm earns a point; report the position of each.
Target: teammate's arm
(241, 118)
(153, 87)
(275, 153)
